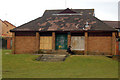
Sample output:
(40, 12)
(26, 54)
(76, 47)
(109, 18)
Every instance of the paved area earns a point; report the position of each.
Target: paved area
(51, 57)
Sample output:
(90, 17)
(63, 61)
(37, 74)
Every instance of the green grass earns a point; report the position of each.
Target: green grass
(24, 66)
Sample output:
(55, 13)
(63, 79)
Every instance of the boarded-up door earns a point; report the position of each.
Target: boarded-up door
(78, 42)
(46, 42)
(61, 41)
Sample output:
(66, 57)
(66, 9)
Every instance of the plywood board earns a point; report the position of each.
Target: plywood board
(78, 42)
(46, 42)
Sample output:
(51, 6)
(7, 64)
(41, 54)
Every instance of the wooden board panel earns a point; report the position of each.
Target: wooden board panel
(46, 42)
(78, 42)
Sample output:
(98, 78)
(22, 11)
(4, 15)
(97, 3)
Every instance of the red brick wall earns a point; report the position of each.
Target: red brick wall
(99, 45)
(24, 44)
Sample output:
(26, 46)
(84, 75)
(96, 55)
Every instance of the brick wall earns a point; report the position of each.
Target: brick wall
(100, 45)
(95, 44)
(25, 44)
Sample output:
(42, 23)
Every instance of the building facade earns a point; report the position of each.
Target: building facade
(6, 35)
(115, 24)
(58, 29)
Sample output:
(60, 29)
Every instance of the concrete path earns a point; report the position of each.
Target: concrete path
(51, 57)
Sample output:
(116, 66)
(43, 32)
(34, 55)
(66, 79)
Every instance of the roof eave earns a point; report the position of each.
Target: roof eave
(64, 31)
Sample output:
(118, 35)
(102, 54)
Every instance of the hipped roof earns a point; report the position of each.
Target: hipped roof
(72, 20)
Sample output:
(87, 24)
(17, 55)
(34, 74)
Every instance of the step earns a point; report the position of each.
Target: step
(59, 52)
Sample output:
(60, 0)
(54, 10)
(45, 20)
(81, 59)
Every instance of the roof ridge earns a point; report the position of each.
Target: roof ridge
(28, 22)
(110, 21)
(64, 9)
(8, 23)
(3, 22)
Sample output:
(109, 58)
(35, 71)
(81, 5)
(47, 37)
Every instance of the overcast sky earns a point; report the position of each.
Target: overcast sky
(19, 12)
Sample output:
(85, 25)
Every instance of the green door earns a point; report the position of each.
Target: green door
(61, 41)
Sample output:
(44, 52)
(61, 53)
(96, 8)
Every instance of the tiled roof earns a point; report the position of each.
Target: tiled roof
(65, 22)
(113, 24)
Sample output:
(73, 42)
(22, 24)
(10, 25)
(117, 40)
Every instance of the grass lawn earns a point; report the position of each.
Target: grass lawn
(24, 66)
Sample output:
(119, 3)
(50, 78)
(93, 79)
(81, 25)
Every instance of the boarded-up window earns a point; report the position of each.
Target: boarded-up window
(46, 42)
(78, 42)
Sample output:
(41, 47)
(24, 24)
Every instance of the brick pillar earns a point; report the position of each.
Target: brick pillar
(13, 42)
(113, 43)
(53, 40)
(8, 43)
(37, 41)
(86, 43)
(69, 39)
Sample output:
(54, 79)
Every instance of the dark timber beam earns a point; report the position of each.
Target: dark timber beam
(13, 42)
(86, 43)
(37, 41)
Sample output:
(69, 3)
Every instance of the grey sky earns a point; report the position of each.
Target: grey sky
(19, 12)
